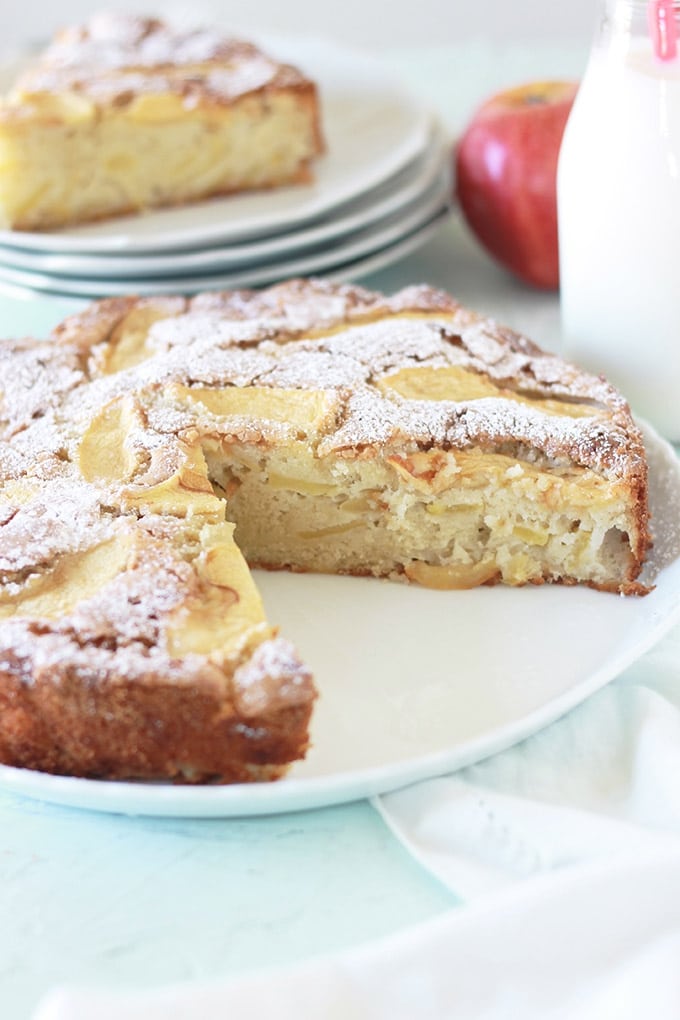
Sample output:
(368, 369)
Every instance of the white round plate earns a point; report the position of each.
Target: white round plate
(411, 185)
(372, 126)
(415, 683)
(342, 273)
(356, 246)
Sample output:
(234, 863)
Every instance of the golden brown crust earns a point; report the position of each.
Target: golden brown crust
(117, 729)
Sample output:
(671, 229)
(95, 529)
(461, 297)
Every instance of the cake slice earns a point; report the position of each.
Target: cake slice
(156, 446)
(139, 648)
(126, 113)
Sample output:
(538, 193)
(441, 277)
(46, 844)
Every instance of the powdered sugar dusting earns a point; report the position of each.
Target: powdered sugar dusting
(116, 57)
(33, 379)
(213, 344)
(133, 608)
(507, 357)
(296, 305)
(122, 629)
(310, 367)
(273, 674)
(383, 347)
(216, 344)
(33, 534)
(207, 328)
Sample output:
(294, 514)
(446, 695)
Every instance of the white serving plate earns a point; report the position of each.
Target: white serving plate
(416, 683)
(347, 271)
(373, 128)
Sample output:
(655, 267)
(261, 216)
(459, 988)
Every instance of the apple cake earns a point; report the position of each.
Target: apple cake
(126, 113)
(156, 446)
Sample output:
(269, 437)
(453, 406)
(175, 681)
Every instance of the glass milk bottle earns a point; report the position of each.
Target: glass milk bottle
(618, 191)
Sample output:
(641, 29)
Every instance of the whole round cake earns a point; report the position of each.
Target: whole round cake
(153, 449)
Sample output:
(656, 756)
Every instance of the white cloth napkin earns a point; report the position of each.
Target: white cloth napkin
(603, 781)
(567, 848)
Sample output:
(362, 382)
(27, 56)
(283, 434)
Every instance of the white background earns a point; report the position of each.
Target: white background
(373, 24)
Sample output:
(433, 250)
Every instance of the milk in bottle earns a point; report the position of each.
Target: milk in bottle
(618, 190)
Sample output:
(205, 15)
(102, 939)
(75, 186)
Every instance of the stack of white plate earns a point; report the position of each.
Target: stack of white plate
(380, 190)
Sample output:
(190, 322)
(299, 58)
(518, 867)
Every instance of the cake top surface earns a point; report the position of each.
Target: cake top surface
(116, 58)
(350, 369)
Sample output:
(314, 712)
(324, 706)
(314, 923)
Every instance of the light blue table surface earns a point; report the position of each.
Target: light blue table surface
(112, 900)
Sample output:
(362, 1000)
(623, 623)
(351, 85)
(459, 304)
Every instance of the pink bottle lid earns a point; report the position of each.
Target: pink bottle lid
(663, 29)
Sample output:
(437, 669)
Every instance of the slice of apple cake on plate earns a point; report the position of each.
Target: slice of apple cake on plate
(125, 113)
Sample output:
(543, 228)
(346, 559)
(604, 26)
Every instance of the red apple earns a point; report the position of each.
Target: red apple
(506, 171)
